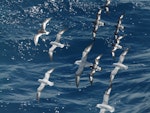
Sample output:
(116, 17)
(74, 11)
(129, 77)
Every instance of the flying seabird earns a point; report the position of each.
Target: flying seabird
(95, 68)
(45, 81)
(97, 23)
(42, 31)
(104, 106)
(119, 25)
(56, 43)
(83, 63)
(119, 65)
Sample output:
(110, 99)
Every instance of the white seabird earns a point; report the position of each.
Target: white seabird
(45, 81)
(95, 68)
(104, 106)
(119, 65)
(119, 25)
(97, 23)
(42, 31)
(82, 63)
(56, 43)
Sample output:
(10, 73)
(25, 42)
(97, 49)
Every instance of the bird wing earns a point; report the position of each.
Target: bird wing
(41, 87)
(45, 22)
(121, 17)
(58, 36)
(107, 2)
(50, 83)
(100, 11)
(36, 38)
(47, 74)
(109, 90)
(115, 70)
(113, 73)
(86, 51)
(105, 98)
(51, 50)
(122, 56)
(80, 70)
(102, 110)
(97, 59)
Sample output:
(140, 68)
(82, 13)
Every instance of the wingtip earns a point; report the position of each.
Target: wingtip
(37, 97)
(77, 80)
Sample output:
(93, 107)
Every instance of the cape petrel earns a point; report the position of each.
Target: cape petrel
(119, 25)
(95, 68)
(97, 23)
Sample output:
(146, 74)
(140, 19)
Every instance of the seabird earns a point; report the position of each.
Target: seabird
(119, 25)
(82, 63)
(104, 106)
(119, 65)
(42, 31)
(97, 23)
(45, 81)
(95, 68)
(56, 43)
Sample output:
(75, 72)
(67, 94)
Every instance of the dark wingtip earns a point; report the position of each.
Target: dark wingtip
(77, 80)
(91, 82)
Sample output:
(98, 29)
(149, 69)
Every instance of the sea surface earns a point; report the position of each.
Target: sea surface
(22, 63)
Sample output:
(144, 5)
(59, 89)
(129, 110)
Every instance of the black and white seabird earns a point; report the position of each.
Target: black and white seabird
(45, 81)
(104, 106)
(119, 25)
(83, 63)
(42, 31)
(119, 65)
(97, 23)
(95, 68)
(56, 43)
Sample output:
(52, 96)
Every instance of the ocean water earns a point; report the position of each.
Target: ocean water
(22, 63)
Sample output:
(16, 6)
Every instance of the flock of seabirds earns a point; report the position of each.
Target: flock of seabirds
(83, 63)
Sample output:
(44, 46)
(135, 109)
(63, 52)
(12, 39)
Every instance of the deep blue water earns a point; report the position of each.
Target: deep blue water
(22, 63)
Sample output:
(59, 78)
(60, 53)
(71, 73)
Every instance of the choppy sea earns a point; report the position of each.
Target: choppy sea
(22, 63)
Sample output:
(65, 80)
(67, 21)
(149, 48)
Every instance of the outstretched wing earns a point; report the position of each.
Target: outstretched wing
(47, 74)
(113, 73)
(58, 36)
(39, 89)
(51, 50)
(45, 23)
(86, 51)
(36, 38)
(97, 59)
(99, 15)
(122, 56)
